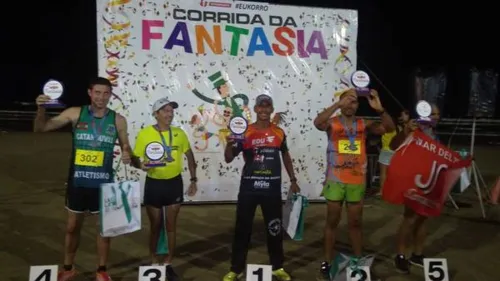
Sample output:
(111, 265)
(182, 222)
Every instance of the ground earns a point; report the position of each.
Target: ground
(32, 222)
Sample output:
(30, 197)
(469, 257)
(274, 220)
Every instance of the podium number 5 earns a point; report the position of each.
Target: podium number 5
(43, 273)
(257, 272)
(436, 270)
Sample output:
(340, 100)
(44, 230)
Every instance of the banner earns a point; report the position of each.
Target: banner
(214, 58)
(422, 173)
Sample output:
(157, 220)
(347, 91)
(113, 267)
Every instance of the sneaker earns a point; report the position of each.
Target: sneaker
(102, 276)
(171, 275)
(417, 260)
(324, 272)
(402, 265)
(281, 275)
(66, 275)
(232, 276)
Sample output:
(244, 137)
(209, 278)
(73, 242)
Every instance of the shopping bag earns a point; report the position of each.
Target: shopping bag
(464, 182)
(293, 213)
(120, 208)
(162, 245)
(339, 265)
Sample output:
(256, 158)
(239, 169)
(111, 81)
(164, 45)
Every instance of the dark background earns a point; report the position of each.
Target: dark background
(57, 39)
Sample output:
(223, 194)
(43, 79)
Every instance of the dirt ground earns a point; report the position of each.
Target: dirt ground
(32, 223)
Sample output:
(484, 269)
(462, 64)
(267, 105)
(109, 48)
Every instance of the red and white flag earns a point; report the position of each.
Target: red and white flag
(421, 174)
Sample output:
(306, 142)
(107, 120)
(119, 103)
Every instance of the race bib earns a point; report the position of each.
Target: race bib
(346, 147)
(89, 158)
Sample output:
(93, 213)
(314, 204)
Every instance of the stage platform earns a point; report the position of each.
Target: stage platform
(33, 168)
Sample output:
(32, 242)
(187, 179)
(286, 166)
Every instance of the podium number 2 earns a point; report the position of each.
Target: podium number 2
(436, 270)
(257, 272)
(361, 274)
(43, 273)
(152, 273)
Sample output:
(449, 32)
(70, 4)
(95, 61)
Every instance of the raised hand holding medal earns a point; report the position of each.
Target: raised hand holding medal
(361, 81)
(54, 90)
(238, 127)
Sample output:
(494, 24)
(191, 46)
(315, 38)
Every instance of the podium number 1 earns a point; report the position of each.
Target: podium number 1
(436, 270)
(43, 273)
(257, 272)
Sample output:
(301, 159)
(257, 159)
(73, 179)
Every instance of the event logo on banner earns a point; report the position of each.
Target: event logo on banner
(422, 173)
(214, 58)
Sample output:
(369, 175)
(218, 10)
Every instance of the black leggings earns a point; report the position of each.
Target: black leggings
(271, 207)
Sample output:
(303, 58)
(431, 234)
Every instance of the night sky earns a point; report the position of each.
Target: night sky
(57, 39)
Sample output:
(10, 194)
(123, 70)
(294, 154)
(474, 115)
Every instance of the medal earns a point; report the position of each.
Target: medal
(96, 130)
(168, 148)
(351, 134)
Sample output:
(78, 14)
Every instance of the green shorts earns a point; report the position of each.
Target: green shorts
(336, 191)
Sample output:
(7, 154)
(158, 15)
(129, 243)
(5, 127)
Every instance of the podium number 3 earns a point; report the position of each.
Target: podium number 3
(153, 271)
(43, 273)
(436, 270)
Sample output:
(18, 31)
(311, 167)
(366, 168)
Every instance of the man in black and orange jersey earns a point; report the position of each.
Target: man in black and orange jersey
(260, 185)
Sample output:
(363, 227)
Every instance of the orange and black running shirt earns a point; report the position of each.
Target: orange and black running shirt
(261, 151)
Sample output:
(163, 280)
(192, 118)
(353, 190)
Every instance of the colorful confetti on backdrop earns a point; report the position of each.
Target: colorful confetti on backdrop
(214, 58)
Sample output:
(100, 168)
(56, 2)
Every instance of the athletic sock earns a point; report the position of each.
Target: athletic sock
(101, 268)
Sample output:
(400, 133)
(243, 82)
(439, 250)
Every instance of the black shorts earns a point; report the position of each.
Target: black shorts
(82, 199)
(159, 193)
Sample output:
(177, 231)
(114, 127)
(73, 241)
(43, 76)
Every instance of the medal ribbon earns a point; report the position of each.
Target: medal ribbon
(96, 130)
(350, 135)
(168, 149)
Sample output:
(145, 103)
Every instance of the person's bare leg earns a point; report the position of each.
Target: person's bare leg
(171, 223)
(154, 215)
(405, 230)
(103, 244)
(72, 236)
(419, 234)
(383, 173)
(333, 215)
(354, 221)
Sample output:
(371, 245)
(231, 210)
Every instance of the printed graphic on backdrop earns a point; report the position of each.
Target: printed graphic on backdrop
(214, 58)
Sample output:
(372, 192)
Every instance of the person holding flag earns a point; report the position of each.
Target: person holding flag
(420, 176)
(346, 167)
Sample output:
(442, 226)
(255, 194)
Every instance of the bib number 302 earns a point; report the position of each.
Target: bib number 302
(258, 272)
(436, 270)
(362, 273)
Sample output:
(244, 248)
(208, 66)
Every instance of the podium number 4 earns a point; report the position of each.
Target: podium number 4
(361, 274)
(152, 273)
(258, 272)
(43, 273)
(436, 270)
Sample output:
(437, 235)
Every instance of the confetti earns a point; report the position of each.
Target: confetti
(301, 84)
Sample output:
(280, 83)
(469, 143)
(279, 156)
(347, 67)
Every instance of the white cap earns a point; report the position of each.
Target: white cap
(162, 102)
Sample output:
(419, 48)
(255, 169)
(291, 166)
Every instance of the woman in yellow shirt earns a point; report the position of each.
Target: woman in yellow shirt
(386, 153)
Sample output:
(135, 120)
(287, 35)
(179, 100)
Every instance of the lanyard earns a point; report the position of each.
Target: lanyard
(168, 149)
(350, 135)
(96, 130)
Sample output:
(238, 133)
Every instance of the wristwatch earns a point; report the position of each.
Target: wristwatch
(293, 180)
(195, 179)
